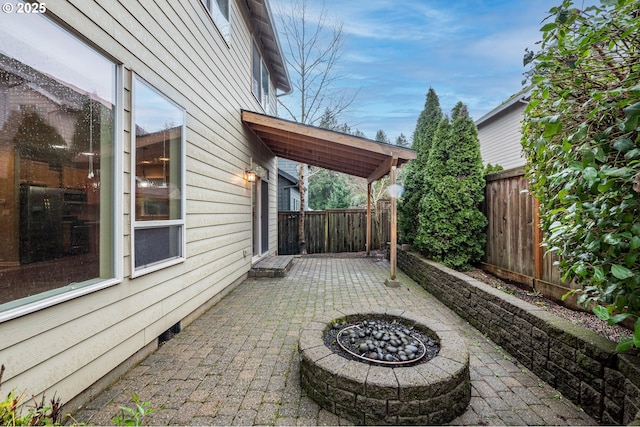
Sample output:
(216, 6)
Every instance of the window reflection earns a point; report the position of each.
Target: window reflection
(56, 138)
(158, 141)
(159, 222)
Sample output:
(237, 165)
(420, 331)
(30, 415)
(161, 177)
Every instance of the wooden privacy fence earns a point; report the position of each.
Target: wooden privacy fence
(513, 248)
(333, 231)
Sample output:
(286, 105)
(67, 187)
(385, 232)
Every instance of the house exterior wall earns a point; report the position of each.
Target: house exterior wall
(288, 194)
(176, 47)
(500, 138)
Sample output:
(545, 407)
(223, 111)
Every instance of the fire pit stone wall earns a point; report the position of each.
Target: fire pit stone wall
(432, 392)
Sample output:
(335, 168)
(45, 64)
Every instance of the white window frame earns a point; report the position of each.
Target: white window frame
(135, 224)
(222, 22)
(261, 96)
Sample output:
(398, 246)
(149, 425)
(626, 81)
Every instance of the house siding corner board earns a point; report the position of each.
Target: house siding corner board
(176, 49)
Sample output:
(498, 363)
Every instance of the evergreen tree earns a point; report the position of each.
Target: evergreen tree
(329, 190)
(414, 183)
(451, 227)
(427, 124)
(381, 136)
(340, 195)
(401, 141)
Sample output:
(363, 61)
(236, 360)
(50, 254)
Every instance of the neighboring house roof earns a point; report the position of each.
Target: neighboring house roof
(288, 177)
(267, 34)
(522, 96)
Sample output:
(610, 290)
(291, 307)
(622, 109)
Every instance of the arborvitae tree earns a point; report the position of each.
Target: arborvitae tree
(451, 224)
(427, 125)
(414, 183)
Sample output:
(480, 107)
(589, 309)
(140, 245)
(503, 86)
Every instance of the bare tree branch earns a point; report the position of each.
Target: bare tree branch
(313, 49)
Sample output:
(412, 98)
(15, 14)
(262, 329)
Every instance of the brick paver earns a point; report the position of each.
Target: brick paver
(238, 363)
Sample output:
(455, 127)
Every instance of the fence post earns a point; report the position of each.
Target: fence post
(538, 252)
(326, 231)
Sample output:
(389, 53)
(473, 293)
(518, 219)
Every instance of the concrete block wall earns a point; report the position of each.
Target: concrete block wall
(579, 363)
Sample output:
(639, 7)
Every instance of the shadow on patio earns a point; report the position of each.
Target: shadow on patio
(238, 363)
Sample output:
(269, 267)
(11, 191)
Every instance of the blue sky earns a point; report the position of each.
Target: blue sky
(467, 50)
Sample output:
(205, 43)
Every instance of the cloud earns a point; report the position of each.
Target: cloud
(468, 50)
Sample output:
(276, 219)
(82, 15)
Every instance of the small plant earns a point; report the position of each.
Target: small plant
(38, 415)
(534, 293)
(133, 416)
(542, 304)
(505, 290)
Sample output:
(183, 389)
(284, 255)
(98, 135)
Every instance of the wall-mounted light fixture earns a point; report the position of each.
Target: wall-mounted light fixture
(250, 175)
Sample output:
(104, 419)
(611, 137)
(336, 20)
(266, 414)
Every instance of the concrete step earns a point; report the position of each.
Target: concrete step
(272, 266)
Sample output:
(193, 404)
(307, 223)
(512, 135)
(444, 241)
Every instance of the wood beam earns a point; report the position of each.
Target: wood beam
(382, 169)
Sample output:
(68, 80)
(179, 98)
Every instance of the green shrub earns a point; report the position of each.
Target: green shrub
(414, 181)
(581, 138)
(492, 168)
(452, 227)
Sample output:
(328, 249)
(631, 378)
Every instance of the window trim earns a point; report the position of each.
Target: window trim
(78, 290)
(182, 222)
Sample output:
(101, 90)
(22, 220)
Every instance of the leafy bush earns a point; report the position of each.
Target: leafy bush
(581, 138)
(492, 169)
(12, 410)
(451, 227)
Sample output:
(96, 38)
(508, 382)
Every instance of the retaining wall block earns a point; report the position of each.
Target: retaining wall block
(578, 362)
(591, 398)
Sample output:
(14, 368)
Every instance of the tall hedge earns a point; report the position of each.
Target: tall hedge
(452, 227)
(582, 141)
(414, 182)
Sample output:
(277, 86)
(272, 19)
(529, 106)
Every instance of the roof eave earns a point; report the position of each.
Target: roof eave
(264, 24)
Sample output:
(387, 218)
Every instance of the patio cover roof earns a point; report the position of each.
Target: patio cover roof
(325, 148)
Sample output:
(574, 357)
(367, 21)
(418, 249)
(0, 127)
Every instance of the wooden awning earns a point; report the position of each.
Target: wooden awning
(328, 149)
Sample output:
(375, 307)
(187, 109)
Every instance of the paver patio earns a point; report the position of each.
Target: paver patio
(238, 363)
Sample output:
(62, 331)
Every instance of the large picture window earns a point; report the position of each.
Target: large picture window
(57, 166)
(158, 193)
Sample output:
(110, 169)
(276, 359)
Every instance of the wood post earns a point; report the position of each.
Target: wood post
(538, 250)
(368, 219)
(394, 224)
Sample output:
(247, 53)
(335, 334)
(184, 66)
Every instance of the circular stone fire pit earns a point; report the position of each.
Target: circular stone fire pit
(367, 389)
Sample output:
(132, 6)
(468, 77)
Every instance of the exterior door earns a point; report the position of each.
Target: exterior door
(260, 208)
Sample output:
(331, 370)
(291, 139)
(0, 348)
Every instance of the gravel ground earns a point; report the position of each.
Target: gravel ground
(582, 318)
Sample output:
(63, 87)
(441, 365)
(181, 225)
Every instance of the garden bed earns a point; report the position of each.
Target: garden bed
(576, 317)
